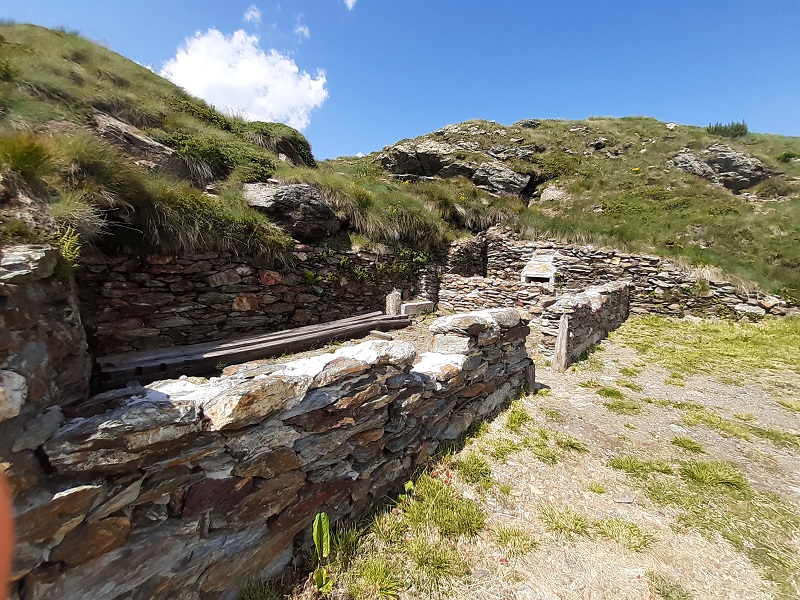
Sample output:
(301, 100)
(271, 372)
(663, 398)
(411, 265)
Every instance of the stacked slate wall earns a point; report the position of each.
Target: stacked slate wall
(575, 322)
(658, 286)
(187, 488)
(134, 303)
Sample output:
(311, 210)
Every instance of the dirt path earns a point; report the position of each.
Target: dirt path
(647, 409)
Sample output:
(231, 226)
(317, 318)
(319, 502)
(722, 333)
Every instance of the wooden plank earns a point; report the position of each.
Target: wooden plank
(143, 359)
(206, 363)
(326, 335)
(180, 350)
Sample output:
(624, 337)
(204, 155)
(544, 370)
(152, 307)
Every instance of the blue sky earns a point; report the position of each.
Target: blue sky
(359, 75)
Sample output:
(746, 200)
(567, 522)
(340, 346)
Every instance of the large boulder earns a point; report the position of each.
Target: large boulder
(499, 178)
(298, 208)
(721, 164)
(428, 157)
(736, 171)
(134, 141)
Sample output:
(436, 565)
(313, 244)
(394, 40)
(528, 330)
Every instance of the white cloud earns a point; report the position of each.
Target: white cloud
(234, 72)
(302, 31)
(252, 14)
(350, 4)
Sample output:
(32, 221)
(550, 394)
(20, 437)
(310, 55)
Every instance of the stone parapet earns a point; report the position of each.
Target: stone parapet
(186, 488)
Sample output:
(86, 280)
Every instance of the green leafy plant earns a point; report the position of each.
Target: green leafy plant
(321, 531)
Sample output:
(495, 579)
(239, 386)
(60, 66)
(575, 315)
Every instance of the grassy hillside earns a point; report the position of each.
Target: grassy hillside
(628, 195)
(51, 85)
(61, 182)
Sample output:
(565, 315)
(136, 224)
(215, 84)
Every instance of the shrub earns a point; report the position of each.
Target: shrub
(733, 129)
(787, 156)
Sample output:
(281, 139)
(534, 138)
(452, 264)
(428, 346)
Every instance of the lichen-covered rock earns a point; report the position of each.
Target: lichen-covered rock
(13, 391)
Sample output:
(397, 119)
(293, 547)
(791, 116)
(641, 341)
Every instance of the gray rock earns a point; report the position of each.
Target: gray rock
(736, 171)
(456, 168)
(722, 164)
(38, 430)
(13, 392)
(688, 162)
(500, 178)
(298, 208)
(749, 309)
(26, 263)
(528, 123)
(554, 193)
(134, 141)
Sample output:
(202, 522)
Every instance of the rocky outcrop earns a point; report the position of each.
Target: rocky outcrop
(553, 193)
(187, 488)
(146, 151)
(430, 158)
(298, 208)
(721, 164)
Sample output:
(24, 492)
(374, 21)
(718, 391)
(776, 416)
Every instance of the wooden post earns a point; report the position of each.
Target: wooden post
(561, 357)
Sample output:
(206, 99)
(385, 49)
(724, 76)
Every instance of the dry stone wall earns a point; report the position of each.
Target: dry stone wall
(139, 303)
(185, 488)
(575, 322)
(44, 366)
(657, 285)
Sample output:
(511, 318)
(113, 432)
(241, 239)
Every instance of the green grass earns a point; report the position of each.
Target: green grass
(516, 416)
(552, 414)
(638, 467)
(260, 590)
(474, 469)
(596, 487)
(564, 521)
(436, 504)
(700, 415)
(624, 407)
(631, 385)
(715, 499)
(667, 589)
(610, 392)
(626, 534)
(411, 546)
(515, 542)
(715, 473)
(502, 448)
(630, 371)
(790, 405)
(688, 444)
(714, 347)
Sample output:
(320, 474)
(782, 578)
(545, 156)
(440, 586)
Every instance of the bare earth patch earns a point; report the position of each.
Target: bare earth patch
(676, 548)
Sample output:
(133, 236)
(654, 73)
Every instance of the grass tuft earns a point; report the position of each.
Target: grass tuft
(597, 487)
(714, 473)
(515, 542)
(434, 503)
(260, 590)
(624, 407)
(474, 469)
(609, 392)
(667, 589)
(564, 521)
(688, 444)
(516, 416)
(638, 467)
(623, 532)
